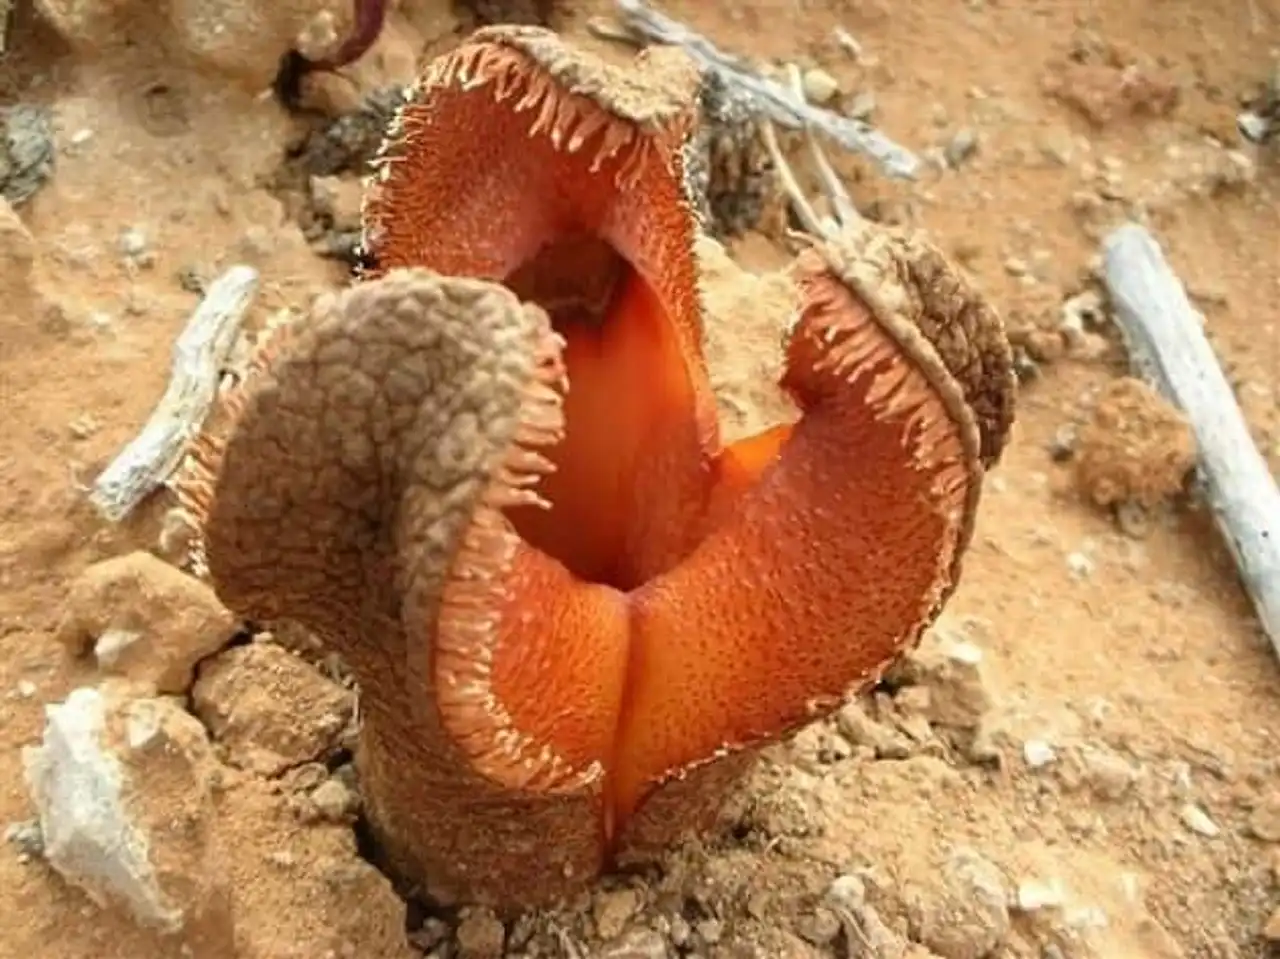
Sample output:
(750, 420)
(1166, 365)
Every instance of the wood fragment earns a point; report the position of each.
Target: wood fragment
(832, 185)
(774, 100)
(6, 14)
(833, 188)
(200, 356)
(1168, 347)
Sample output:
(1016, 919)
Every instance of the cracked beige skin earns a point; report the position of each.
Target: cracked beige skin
(574, 613)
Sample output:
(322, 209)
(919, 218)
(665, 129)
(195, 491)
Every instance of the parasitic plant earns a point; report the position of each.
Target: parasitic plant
(490, 475)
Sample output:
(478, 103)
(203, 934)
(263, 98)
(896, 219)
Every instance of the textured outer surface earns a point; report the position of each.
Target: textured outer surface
(345, 488)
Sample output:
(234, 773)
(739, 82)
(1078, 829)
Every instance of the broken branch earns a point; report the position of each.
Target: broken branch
(774, 100)
(200, 356)
(1168, 348)
(837, 196)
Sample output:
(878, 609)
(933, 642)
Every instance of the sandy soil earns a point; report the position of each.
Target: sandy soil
(1081, 761)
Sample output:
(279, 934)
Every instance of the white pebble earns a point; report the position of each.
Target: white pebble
(1038, 753)
(820, 86)
(1085, 918)
(111, 645)
(1037, 894)
(1198, 821)
(1079, 565)
(963, 652)
(133, 242)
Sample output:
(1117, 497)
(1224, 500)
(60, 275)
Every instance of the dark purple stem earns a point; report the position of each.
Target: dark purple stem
(369, 17)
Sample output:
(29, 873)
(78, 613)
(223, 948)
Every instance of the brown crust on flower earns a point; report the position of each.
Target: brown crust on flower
(354, 491)
(905, 276)
(653, 93)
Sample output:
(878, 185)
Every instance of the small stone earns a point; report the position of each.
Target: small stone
(1034, 894)
(144, 620)
(1264, 821)
(612, 910)
(1057, 150)
(104, 834)
(681, 932)
(1063, 444)
(84, 426)
(1079, 565)
(948, 669)
(820, 87)
(964, 913)
(111, 645)
(1198, 821)
(782, 814)
(26, 151)
(338, 201)
(1015, 266)
(269, 709)
(1083, 310)
(710, 931)
(1271, 929)
(26, 837)
(1133, 519)
(847, 891)
(818, 927)
(861, 730)
(318, 36)
(637, 944)
(964, 653)
(1109, 775)
(1253, 127)
(334, 801)
(480, 935)
(1037, 753)
(256, 242)
(848, 43)
(133, 243)
(962, 145)
(430, 934)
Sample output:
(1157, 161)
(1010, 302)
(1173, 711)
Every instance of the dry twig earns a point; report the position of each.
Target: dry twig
(6, 11)
(1168, 348)
(200, 356)
(776, 102)
(833, 188)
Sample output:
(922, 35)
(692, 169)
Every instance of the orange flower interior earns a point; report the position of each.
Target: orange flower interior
(675, 599)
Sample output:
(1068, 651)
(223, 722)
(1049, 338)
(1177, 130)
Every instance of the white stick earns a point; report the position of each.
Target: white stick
(774, 99)
(200, 356)
(6, 11)
(1168, 347)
